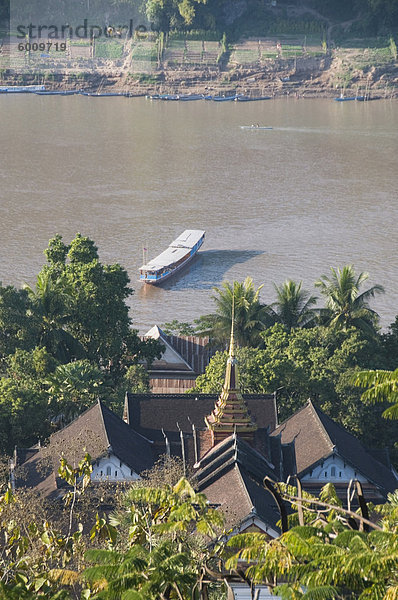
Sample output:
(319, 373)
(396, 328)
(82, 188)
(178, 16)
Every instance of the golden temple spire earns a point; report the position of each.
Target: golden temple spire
(230, 413)
(232, 340)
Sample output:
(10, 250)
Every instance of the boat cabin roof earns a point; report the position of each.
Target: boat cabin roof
(176, 251)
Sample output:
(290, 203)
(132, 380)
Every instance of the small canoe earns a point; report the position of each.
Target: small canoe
(187, 97)
(250, 99)
(224, 98)
(57, 93)
(367, 99)
(103, 94)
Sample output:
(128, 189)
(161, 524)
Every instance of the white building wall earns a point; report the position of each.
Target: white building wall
(110, 468)
(333, 470)
(239, 591)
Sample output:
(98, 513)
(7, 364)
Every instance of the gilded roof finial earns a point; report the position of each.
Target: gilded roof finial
(232, 340)
(230, 414)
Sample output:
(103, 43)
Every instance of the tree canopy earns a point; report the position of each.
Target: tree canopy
(250, 316)
(66, 341)
(317, 363)
(293, 307)
(346, 305)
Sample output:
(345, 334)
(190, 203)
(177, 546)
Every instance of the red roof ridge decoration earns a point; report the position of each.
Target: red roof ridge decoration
(230, 414)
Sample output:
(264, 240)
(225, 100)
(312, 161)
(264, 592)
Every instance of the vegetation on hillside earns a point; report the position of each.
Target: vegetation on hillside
(247, 18)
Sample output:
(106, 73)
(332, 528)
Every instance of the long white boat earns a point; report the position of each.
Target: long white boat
(21, 89)
(177, 255)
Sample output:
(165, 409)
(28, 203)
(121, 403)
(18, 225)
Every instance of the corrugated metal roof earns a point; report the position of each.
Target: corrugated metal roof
(168, 257)
(176, 251)
(188, 238)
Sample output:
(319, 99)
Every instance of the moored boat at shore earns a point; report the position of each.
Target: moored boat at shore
(224, 98)
(177, 255)
(242, 98)
(169, 97)
(188, 97)
(103, 94)
(21, 89)
(57, 93)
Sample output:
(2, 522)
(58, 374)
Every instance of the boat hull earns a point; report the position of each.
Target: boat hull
(253, 127)
(250, 99)
(171, 273)
(224, 98)
(171, 269)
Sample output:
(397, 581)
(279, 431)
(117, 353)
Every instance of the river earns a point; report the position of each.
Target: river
(320, 189)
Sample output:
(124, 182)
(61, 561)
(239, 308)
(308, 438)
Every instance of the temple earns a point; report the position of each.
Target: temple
(232, 441)
(230, 414)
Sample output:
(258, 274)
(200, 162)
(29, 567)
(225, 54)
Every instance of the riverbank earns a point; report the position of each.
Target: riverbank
(251, 85)
(348, 71)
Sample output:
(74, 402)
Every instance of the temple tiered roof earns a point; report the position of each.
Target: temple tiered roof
(231, 414)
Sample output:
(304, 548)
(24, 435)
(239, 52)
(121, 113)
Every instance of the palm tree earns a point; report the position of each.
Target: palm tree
(74, 387)
(50, 306)
(382, 387)
(345, 305)
(293, 306)
(250, 316)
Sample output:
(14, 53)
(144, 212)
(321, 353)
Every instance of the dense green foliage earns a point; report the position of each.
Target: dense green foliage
(250, 316)
(346, 306)
(294, 306)
(164, 541)
(382, 387)
(301, 351)
(247, 18)
(328, 555)
(153, 547)
(66, 341)
(254, 17)
(316, 363)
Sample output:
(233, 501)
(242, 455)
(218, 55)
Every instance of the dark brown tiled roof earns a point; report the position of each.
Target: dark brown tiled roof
(149, 412)
(316, 437)
(97, 431)
(229, 493)
(231, 475)
(195, 350)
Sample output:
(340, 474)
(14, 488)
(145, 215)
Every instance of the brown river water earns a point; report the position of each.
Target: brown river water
(320, 189)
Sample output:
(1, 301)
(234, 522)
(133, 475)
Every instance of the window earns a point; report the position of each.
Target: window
(101, 473)
(340, 474)
(326, 473)
(333, 471)
(108, 471)
(115, 473)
